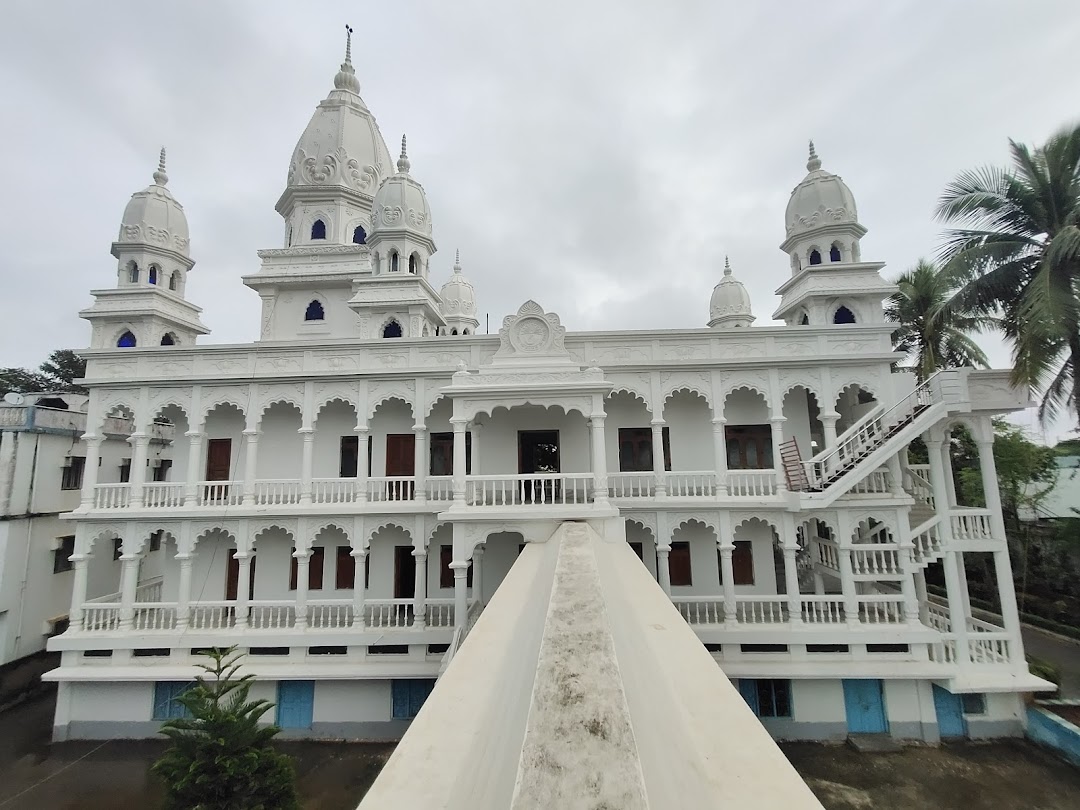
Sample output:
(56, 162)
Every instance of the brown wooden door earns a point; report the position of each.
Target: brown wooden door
(232, 575)
(218, 459)
(400, 461)
(404, 573)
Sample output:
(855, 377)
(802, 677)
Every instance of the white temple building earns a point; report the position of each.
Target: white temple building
(342, 497)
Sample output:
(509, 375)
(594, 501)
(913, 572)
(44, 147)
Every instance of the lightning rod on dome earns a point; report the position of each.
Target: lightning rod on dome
(160, 177)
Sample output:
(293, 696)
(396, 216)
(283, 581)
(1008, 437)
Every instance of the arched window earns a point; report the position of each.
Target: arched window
(815, 256)
(392, 330)
(834, 253)
(843, 315)
(453, 331)
(314, 312)
(318, 229)
(174, 280)
(466, 332)
(168, 339)
(393, 261)
(359, 236)
(133, 273)
(414, 265)
(152, 277)
(126, 341)
(804, 320)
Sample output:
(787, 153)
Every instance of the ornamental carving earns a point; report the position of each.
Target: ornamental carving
(622, 354)
(821, 216)
(318, 171)
(132, 233)
(363, 178)
(532, 332)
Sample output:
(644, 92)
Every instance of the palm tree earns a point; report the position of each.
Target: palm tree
(931, 335)
(1017, 252)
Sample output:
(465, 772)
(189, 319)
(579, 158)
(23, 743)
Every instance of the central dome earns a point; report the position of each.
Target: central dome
(342, 145)
(820, 199)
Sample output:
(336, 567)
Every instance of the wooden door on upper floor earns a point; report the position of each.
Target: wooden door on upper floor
(218, 459)
(404, 573)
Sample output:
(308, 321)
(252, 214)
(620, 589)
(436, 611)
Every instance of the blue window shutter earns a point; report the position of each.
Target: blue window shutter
(400, 693)
(162, 699)
(419, 693)
(296, 703)
(748, 689)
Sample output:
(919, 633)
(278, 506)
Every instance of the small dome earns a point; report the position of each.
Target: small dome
(457, 294)
(401, 202)
(154, 217)
(730, 303)
(342, 145)
(820, 199)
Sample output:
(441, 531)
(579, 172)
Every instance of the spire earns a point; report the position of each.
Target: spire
(403, 164)
(346, 76)
(457, 261)
(727, 266)
(814, 163)
(159, 176)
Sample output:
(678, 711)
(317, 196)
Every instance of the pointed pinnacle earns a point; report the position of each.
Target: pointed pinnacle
(160, 177)
(814, 163)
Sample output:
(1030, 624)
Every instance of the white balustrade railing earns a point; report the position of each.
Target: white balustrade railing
(98, 616)
(697, 484)
(440, 613)
(112, 496)
(989, 648)
(535, 488)
(979, 626)
(751, 483)
(828, 555)
(212, 615)
(154, 616)
(389, 612)
(761, 609)
(150, 590)
(927, 541)
(158, 495)
(943, 651)
(881, 609)
(971, 524)
(391, 488)
(822, 610)
(221, 493)
(631, 484)
(917, 482)
(700, 609)
(330, 614)
(939, 619)
(333, 490)
(277, 493)
(271, 615)
(876, 483)
(875, 560)
(439, 488)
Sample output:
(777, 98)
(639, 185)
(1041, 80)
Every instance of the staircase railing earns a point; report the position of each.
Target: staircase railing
(868, 434)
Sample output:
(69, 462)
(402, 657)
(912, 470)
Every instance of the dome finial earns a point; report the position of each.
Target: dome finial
(159, 176)
(457, 260)
(727, 266)
(346, 76)
(403, 164)
(814, 163)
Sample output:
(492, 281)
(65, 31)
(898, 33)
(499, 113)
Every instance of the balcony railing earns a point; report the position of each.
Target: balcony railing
(751, 483)
(276, 493)
(221, 493)
(971, 524)
(561, 489)
(158, 495)
(112, 496)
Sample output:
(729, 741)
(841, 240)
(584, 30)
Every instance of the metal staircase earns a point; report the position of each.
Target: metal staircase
(871, 441)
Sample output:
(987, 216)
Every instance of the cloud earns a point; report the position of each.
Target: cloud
(600, 157)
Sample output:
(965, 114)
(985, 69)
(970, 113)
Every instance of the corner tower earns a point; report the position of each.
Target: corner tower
(829, 284)
(729, 306)
(147, 307)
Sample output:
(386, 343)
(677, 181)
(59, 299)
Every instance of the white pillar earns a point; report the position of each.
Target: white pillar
(140, 444)
(420, 589)
(828, 428)
(306, 463)
(663, 568)
(922, 597)
(819, 584)
(420, 462)
(129, 581)
(183, 594)
(303, 573)
(243, 590)
(599, 460)
(459, 461)
(194, 465)
(78, 590)
(896, 477)
(474, 452)
(727, 578)
(359, 576)
(777, 423)
(791, 581)
(477, 575)
(940, 475)
(947, 473)
(659, 468)
(720, 454)
(90, 471)
(847, 577)
(251, 462)
(363, 470)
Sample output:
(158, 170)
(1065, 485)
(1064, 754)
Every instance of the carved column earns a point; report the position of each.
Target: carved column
(477, 577)
(599, 460)
(420, 590)
(359, 590)
(90, 470)
(459, 461)
(303, 579)
(939, 478)
(191, 483)
(420, 462)
(828, 428)
(659, 468)
(140, 444)
(663, 568)
(778, 461)
(363, 469)
(306, 464)
(78, 591)
(251, 460)
(720, 455)
(243, 589)
(183, 594)
(129, 582)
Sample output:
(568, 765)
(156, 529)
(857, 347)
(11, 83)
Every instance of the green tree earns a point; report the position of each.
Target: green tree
(1025, 471)
(58, 374)
(220, 758)
(930, 334)
(1017, 252)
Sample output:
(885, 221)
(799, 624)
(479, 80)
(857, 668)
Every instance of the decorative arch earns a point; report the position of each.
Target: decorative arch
(388, 322)
(647, 523)
(133, 272)
(392, 261)
(359, 235)
(688, 388)
(835, 254)
(865, 386)
(233, 400)
(710, 521)
(318, 229)
(862, 522)
(843, 315)
(623, 388)
(100, 532)
(170, 339)
(283, 399)
(126, 340)
(414, 263)
(369, 533)
(389, 396)
(330, 398)
(152, 274)
(814, 256)
(319, 527)
(258, 528)
(811, 387)
(315, 311)
(174, 280)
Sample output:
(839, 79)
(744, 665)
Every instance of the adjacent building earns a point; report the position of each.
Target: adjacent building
(342, 497)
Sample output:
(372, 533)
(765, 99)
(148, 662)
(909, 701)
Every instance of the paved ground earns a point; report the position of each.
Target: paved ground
(1063, 653)
(1010, 775)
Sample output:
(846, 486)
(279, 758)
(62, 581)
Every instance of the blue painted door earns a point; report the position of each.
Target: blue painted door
(950, 713)
(864, 703)
(295, 703)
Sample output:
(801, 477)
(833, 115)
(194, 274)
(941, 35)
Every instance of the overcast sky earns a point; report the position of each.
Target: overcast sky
(601, 156)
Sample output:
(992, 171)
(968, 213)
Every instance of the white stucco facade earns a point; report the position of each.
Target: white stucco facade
(760, 472)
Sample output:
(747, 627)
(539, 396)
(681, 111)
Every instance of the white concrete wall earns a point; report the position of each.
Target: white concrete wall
(499, 438)
(623, 411)
(689, 421)
(817, 701)
(281, 446)
(117, 702)
(335, 420)
(359, 700)
(226, 422)
(289, 309)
